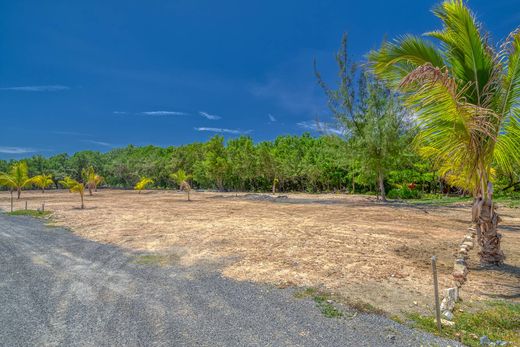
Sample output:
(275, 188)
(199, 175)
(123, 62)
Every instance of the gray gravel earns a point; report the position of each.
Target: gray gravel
(57, 289)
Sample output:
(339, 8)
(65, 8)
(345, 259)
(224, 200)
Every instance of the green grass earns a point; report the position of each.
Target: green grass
(442, 200)
(30, 213)
(496, 320)
(439, 200)
(156, 259)
(322, 301)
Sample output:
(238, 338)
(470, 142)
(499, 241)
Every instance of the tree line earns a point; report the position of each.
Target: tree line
(290, 163)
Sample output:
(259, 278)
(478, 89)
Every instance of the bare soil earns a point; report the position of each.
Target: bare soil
(363, 251)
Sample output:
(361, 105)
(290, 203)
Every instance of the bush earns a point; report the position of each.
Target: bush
(404, 193)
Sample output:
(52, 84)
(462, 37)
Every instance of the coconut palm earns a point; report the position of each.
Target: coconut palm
(466, 95)
(91, 178)
(143, 182)
(181, 178)
(74, 187)
(42, 181)
(17, 178)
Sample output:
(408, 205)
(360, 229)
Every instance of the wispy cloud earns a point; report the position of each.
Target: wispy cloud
(119, 112)
(209, 116)
(320, 126)
(271, 118)
(224, 130)
(100, 143)
(44, 88)
(164, 113)
(16, 150)
(296, 99)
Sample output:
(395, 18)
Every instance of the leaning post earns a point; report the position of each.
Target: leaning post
(436, 293)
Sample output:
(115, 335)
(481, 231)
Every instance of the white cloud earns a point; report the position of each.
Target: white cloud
(209, 116)
(224, 130)
(293, 98)
(99, 143)
(119, 112)
(16, 150)
(164, 113)
(320, 126)
(271, 118)
(45, 88)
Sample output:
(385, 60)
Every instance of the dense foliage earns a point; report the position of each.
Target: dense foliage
(298, 163)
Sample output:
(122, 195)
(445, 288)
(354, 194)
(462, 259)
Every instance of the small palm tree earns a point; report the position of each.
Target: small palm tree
(181, 178)
(466, 96)
(91, 178)
(143, 182)
(74, 187)
(275, 183)
(17, 178)
(42, 181)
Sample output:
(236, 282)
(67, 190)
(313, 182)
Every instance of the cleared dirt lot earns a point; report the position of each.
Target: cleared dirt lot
(361, 250)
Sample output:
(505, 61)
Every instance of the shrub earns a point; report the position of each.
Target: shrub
(404, 193)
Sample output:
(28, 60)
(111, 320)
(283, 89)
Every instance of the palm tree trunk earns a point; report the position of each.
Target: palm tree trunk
(188, 195)
(486, 220)
(90, 191)
(18, 192)
(82, 205)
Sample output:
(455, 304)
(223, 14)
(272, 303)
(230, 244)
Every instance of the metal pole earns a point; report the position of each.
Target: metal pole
(43, 207)
(436, 293)
(11, 201)
(26, 205)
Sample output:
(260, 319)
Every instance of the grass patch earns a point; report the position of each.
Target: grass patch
(156, 259)
(497, 320)
(30, 213)
(323, 302)
(440, 200)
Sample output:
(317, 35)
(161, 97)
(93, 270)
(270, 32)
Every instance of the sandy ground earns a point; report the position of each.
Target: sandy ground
(359, 249)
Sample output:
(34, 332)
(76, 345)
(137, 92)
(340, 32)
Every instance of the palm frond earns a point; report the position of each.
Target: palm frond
(395, 60)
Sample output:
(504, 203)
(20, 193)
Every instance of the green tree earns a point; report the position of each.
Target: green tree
(372, 116)
(181, 178)
(17, 178)
(216, 164)
(42, 181)
(466, 96)
(74, 187)
(143, 182)
(91, 178)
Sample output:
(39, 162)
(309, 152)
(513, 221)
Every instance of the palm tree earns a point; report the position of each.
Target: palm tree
(181, 178)
(17, 178)
(74, 187)
(466, 95)
(91, 178)
(143, 182)
(42, 181)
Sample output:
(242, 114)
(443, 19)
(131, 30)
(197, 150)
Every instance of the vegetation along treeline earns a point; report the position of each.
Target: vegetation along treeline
(291, 163)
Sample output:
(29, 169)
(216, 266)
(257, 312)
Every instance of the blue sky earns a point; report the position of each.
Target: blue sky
(95, 74)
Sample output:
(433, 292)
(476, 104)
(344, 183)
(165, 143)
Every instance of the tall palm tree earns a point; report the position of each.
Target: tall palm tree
(17, 178)
(466, 95)
(74, 187)
(91, 178)
(143, 182)
(181, 178)
(42, 181)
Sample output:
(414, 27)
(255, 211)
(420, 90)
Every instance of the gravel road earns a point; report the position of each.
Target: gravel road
(57, 289)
